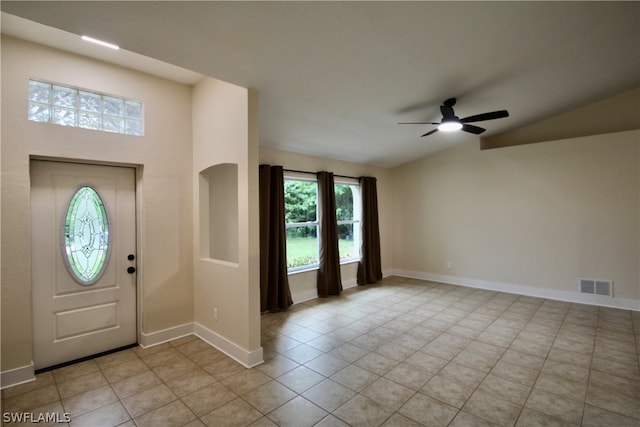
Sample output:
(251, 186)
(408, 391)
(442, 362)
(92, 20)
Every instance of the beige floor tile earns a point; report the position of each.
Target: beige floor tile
(300, 379)
(112, 414)
(124, 370)
(376, 363)
(408, 376)
(532, 418)
(135, 384)
(448, 390)
(399, 420)
(463, 374)
(555, 405)
(515, 373)
(492, 408)
(114, 359)
(361, 411)
(245, 381)
(326, 364)
(428, 411)
(208, 398)
(194, 346)
(426, 362)
(172, 414)
(207, 356)
(569, 371)
(190, 382)
(276, 365)
(42, 380)
(388, 393)
(598, 417)
(268, 396)
(224, 368)
(165, 356)
(298, 412)
(75, 370)
(562, 386)
(235, 413)
(349, 352)
(464, 419)
(354, 377)
(505, 389)
(621, 385)
(614, 401)
(147, 400)
(88, 401)
(81, 384)
(176, 369)
(328, 395)
(32, 399)
(331, 421)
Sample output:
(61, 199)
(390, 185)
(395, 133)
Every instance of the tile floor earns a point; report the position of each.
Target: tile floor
(400, 353)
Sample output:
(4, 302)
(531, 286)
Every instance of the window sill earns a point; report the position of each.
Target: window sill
(315, 267)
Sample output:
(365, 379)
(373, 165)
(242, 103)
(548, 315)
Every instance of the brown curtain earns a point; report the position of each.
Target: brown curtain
(329, 280)
(370, 267)
(275, 294)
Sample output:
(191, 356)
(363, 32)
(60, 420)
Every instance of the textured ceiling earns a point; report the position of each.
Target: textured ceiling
(334, 78)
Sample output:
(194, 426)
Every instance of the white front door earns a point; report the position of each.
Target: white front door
(83, 260)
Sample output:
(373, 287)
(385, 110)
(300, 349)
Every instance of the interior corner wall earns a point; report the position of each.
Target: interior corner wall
(227, 294)
(304, 284)
(163, 158)
(530, 219)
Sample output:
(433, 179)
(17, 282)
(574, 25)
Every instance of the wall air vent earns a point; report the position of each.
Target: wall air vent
(596, 287)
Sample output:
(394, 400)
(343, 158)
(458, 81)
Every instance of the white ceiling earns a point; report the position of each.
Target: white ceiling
(334, 78)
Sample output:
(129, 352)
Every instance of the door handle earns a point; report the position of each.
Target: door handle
(131, 270)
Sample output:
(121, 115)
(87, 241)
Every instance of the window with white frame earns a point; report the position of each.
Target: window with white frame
(70, 106)
(301, 218)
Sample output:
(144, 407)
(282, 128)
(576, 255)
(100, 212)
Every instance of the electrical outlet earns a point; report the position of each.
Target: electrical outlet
(215, 314)
(449, 265)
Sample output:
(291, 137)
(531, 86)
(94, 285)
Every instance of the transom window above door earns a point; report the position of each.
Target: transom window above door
(69, 106)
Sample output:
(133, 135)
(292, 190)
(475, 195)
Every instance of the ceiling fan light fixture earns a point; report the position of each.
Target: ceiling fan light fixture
(449, 126)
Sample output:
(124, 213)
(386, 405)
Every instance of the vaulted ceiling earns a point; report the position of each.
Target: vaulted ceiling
(334, 78)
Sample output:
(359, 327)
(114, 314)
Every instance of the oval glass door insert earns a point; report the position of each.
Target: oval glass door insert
(86, 236)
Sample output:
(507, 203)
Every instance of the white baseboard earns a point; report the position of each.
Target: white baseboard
(553, 294)
(165, 335)
(246, 358)
(17, 376)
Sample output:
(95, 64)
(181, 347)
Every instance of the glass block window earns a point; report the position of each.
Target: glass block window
(69, 106)
(86, 236)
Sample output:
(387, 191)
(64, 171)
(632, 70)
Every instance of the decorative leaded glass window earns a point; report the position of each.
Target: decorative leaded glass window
(86, 236)
(69, 106)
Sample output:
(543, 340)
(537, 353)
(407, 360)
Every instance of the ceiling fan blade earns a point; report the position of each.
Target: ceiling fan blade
(430, 132)
(418, 123)
(486, 116)
(472, 129)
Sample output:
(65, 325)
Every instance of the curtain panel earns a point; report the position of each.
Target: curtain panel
(275, 294)
(329, 280)
(370, 267)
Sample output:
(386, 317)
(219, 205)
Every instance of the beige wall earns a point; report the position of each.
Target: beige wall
(225, 132)
(538, 216)
(163, 157)
(303, 284)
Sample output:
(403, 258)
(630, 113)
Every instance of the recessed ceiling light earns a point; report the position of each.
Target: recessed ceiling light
(100, 42)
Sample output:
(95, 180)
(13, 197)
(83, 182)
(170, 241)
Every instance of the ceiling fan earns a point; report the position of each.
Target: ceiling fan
(450, 122)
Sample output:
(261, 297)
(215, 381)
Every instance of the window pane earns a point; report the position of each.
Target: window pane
(39, 112)
(133, 127)
(86, 236)
(300, 201)
(89, 121)
(90, 102)
(133, 109)
(113, 106)
(39, 92)
(348, 246)
(112, 124)
(302, 246)
(64, 96)
(344, 202)
(64, 117)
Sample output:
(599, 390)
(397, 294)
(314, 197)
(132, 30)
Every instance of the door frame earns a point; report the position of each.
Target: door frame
(138, 173)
